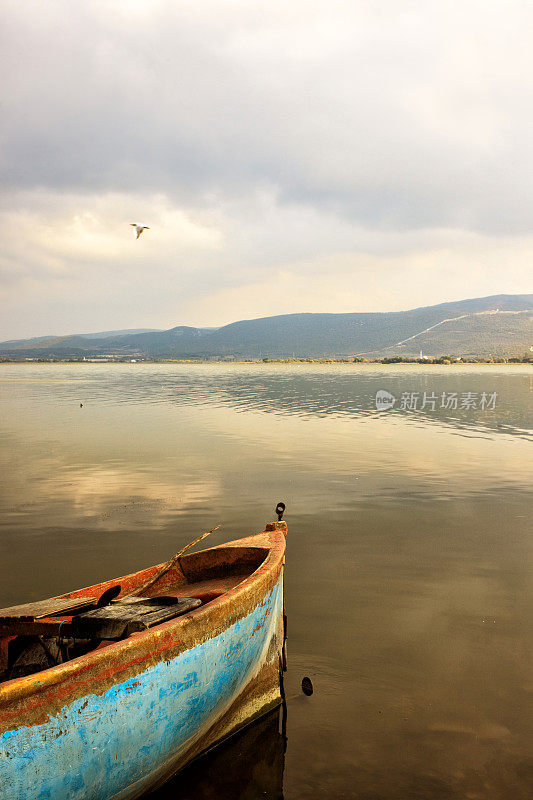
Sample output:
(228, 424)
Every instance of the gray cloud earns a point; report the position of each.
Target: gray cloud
(398, 114)
(295, 131)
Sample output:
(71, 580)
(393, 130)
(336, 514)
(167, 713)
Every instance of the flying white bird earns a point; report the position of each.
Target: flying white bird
(139, 228)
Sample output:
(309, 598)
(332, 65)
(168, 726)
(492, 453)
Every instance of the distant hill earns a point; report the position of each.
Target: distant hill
(501, 325)
(109, 334)
(99, 335)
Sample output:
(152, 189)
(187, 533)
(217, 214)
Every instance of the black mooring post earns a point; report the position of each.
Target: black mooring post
(280, 508)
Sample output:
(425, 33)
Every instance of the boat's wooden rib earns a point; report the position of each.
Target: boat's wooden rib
(114, 721)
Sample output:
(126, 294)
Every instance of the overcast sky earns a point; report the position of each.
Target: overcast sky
(289, 156)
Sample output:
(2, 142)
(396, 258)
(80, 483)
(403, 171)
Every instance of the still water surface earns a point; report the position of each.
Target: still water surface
(409, 565)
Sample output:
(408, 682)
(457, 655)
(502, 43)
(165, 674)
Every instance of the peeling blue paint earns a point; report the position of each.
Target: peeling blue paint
(99, 746)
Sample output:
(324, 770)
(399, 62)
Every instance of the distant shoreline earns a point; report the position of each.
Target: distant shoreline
(438, 361)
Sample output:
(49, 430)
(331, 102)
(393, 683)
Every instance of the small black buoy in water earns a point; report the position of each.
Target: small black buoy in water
(307, 686)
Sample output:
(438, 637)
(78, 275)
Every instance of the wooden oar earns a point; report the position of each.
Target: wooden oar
(170, 563)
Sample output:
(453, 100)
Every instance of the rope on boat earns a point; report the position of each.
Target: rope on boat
(170, 563)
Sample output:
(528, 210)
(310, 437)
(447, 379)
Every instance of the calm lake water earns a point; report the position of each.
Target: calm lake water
(409, 569)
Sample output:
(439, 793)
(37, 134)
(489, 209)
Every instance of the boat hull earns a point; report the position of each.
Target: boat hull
(159, 707)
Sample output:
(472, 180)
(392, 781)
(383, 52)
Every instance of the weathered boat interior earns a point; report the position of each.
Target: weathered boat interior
(43, 634)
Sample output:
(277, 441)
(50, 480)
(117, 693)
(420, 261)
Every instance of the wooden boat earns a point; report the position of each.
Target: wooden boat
(142, 684)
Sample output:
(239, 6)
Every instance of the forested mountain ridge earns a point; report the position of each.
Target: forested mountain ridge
(500, 325)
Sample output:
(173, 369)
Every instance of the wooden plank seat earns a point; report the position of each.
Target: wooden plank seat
(30, 612)
(130, 615)
(114, 621)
